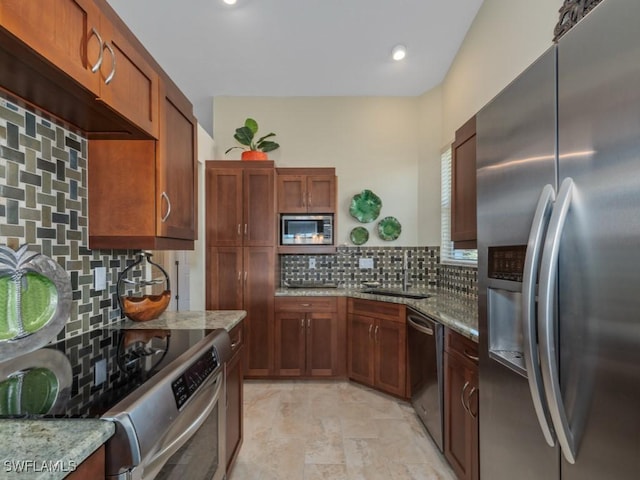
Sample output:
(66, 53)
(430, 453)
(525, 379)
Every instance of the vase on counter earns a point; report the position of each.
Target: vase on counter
(144, 290)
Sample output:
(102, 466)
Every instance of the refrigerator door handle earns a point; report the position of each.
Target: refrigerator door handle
(531, 357)
(546, 323)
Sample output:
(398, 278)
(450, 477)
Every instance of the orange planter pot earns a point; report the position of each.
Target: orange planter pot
(253, 155)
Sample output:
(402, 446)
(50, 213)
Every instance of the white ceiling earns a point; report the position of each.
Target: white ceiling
(299, 47)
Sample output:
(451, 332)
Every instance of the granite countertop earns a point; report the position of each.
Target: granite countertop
(190, 320)
(39, 444)
(49, 449)
(460, 313)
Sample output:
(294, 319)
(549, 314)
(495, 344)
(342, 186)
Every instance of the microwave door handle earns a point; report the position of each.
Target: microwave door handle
(547, 324)
(531, 356)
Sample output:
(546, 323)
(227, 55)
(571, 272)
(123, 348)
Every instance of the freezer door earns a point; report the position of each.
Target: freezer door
(516, 152)
(599, 271)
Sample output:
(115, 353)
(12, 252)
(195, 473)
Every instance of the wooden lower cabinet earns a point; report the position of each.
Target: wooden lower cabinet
(377, 345)
(234, 379)
(461, 447)
(310, 337)
(92, 467)
(241, 278)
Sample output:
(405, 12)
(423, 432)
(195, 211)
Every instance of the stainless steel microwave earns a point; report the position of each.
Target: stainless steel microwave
(306, 230)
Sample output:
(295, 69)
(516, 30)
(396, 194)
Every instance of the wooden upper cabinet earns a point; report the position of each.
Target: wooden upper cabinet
(463, 186)
(176, 167)
(128, 82)
(85, 41)
(240, 203)
(306, 190)
(142, 193)
(64, 32)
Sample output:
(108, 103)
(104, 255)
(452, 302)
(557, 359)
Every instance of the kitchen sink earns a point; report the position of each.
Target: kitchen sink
(390, 292)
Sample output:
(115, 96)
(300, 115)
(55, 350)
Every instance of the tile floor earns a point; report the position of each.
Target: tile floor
(321, 430)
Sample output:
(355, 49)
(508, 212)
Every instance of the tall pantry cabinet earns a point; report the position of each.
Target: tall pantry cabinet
(241, 241)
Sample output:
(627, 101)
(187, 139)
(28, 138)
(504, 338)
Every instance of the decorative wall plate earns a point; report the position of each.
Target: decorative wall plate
(365, 206)
(359, 235)
(389, 228)
(35, 300)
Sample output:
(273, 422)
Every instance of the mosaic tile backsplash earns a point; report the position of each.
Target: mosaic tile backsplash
(43, 202)
(343, 268)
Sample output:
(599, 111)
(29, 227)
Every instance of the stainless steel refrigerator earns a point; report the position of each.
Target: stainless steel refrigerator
(558, 169)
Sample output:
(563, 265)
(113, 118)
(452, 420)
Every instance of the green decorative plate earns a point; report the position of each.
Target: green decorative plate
(389, 228)
(365, 206)
(359, 235)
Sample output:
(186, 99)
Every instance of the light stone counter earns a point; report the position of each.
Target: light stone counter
(48, 449)
(454, 311)
(190, 320)
(39, 444)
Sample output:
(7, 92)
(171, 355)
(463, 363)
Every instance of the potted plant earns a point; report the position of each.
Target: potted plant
(253, 150)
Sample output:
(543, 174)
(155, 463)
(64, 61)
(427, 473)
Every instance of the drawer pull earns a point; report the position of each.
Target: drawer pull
(470, 356)
(305, 304)
(234, 345)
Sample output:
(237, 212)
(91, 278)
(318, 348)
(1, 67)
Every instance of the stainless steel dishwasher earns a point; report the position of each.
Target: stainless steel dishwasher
(426, 346)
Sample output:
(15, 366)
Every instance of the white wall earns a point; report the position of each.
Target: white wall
(392, 145)
(197, 258)
(505, 37)
(372, 142)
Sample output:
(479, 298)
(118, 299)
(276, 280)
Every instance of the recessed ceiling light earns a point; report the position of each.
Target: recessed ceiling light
(230, 2)
(399, 52)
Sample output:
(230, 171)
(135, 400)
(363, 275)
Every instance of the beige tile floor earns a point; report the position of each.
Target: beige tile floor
(321, 430)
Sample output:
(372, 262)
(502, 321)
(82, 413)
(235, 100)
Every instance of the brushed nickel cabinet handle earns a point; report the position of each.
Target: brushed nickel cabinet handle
(239, 231)
(166, 215)
(370, 327)
(109, 78)
(308, 323)
(471, 392)
(302, 323)
(95, 67)
(464, 389)
(246, 229)
(246, 274)
(470, 356)
(375, 333)
(305, 304)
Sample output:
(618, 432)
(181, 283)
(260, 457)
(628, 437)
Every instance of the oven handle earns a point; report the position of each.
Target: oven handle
(167, 451)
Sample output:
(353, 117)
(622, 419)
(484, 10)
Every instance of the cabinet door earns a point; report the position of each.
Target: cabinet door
(292, 191)
(258, 302)
(176, 170)
(259, 227)
(62, 31)
(458, 422)
(322, 344)
(224, 207)
(390, 352)
(225, 278)
(234, 406)
(129, 84)
(290, 343)
(361, 351)
(321, 193)
(463, 186)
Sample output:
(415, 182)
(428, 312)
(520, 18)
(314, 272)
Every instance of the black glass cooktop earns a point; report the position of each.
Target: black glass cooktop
(86, 375)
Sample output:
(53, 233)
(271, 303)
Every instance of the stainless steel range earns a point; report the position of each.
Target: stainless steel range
(164, 389)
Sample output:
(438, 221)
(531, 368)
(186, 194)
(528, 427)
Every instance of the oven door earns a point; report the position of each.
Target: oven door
(194, 447)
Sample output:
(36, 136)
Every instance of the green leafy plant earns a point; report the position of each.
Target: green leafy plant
(245, 135)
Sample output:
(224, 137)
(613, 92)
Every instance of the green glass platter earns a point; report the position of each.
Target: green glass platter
(389, 228)
(359, 235)
(365, 206)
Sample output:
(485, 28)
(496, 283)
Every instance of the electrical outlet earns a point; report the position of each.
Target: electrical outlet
(99, 372)
(99, 278)
(366, 263)
(312, 263)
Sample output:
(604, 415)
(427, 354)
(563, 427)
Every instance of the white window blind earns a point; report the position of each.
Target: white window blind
(448, 254)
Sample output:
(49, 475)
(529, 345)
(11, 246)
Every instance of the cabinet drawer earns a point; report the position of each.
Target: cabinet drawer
(306, 304)
(237, 337)
(459, 345)
(388, 311)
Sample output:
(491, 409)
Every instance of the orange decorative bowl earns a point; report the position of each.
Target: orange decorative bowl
(146, 307)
